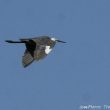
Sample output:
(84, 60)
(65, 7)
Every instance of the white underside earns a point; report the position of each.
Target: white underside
(48, 49)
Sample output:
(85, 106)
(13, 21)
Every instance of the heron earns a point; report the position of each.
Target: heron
(36, 48)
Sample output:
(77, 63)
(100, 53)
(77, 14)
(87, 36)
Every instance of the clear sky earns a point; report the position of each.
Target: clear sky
(73, 74)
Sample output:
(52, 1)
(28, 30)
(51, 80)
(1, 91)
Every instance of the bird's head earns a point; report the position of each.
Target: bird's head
(56, 40)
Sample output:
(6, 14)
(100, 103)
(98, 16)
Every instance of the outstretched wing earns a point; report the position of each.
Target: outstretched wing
(27, 59)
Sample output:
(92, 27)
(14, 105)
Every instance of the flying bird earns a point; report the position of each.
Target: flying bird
(36, 48)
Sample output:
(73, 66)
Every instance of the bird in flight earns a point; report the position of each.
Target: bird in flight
(36, 48)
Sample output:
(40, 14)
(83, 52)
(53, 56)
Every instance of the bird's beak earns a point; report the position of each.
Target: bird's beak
(60, 41)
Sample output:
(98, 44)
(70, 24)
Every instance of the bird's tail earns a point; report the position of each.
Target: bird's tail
(10, 41)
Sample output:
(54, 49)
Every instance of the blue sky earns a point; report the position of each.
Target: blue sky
(73, 74)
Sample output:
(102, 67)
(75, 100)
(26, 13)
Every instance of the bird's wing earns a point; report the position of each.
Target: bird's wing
(39, 53)
(27, 59)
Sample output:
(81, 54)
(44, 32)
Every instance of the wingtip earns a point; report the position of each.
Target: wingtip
(24, 66)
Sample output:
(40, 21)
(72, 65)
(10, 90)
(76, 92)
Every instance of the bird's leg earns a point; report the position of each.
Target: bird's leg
(10, 41)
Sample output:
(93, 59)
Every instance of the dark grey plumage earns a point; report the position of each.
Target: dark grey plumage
(36, 48)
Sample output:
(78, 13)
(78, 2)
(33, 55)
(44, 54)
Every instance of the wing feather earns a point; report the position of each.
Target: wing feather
(27, 59)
